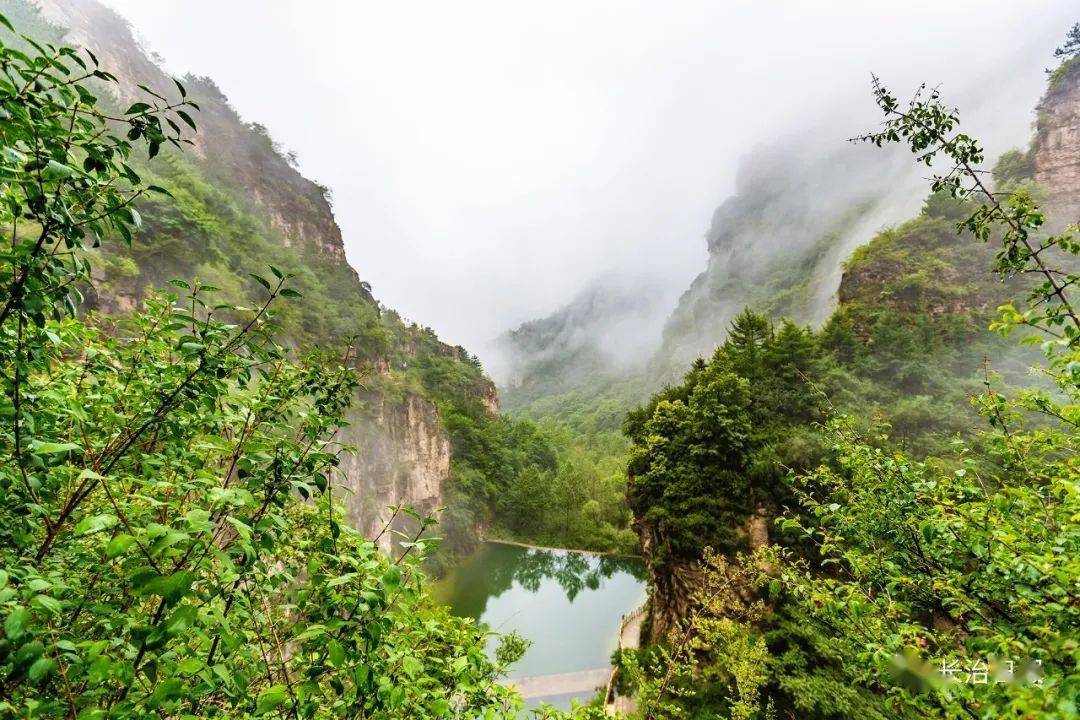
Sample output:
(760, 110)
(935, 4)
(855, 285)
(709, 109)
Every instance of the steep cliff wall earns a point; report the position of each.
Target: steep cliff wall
(1056, 149)
(230, 150)
(404, 459)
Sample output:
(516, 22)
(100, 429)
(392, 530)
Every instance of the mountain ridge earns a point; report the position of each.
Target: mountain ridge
(239, 204)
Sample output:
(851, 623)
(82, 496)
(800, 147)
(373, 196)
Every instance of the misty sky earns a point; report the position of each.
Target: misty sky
(489, 159)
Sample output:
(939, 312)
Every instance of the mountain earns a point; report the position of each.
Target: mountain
(239, 204)
(733, 458)
(606, 331)
(777, 244)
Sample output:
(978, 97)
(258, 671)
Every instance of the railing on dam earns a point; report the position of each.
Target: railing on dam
(538, 686)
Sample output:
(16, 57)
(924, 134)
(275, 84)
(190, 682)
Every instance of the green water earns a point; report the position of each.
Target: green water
(568, 604)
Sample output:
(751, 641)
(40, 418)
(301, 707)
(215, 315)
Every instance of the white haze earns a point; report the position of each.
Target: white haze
(489, 160)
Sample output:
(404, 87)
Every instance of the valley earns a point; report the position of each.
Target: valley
(237, 484)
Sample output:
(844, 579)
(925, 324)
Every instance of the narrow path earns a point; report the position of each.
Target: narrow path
(629, 639)
(631, 632)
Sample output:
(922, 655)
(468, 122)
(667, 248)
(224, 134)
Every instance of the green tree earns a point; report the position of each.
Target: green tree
(711, 454)
(1071, 47)
(938, 572)
(170, 544)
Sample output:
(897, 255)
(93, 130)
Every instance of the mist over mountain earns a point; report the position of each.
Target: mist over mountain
(488, 161)
(802, 202)
(610, 327)
(777, 244)
(795, 431)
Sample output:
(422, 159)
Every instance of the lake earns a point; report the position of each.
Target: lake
(568, 604)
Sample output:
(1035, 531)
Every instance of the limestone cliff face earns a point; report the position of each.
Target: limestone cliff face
(402, 457)
(670, 589)
(672, 586)
(1056, 150)
(490, 399)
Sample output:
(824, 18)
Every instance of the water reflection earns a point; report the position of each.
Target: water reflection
(573, 571)
(496, 567)
(568, 604)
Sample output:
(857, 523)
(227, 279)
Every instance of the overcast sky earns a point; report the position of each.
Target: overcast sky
(489, 159)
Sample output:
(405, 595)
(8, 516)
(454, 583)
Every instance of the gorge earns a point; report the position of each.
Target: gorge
(839, 460)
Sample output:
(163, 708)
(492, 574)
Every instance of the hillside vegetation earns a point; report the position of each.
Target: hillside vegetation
(878, 518)
(236, 204)
(874, 516)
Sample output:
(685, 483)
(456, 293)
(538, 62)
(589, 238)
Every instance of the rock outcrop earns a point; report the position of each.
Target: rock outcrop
(779, 242)
(1056, 149)
(402, 458)
(232, 151)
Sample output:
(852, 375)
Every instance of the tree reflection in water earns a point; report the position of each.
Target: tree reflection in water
(573, 571)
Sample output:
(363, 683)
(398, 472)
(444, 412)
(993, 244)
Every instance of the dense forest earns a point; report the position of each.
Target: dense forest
(893, 496)
(872, 516)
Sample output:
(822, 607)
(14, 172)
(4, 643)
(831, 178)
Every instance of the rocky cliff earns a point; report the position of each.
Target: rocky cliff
(230, 150)
(404, 459)
(1056, 148)
(240, 204)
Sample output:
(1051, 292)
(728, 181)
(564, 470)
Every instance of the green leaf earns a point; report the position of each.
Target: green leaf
(181, 620)
(53, 448)
(16, 622)
(119, 545)
(261, 280)
(137, 108)
(191, 665)
(48, 604)
(167, 690)
(95, 523)
(310, 632)
(392, 578)
(57, 170)
(171, 587)
(186, 118)
(335, 653)
(271, 698)
(41, 669)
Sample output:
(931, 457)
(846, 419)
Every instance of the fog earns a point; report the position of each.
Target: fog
(490, 160)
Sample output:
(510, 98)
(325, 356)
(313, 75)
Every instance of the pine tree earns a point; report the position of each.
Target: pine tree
(1071, 47)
